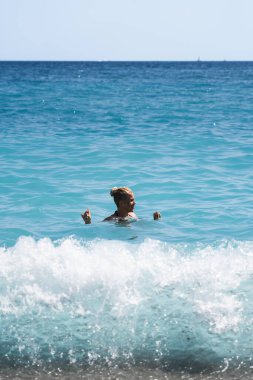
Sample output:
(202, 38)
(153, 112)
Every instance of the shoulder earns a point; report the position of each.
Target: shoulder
(111, 217)
(132, 215)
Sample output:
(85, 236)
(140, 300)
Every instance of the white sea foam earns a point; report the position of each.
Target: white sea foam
(206, 277)
(119, 295)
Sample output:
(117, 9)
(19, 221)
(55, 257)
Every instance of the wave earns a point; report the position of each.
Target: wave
(113, 303)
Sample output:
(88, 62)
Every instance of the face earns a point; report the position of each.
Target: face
(129, 203)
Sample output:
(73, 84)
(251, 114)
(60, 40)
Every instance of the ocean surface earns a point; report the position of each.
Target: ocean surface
(167, 299)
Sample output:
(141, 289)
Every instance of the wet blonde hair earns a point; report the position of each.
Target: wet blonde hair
(120, 194)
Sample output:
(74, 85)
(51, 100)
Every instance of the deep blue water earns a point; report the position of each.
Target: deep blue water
(174, 293)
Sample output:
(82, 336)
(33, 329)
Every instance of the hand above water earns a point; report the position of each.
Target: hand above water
(156, 215)
(86, 217)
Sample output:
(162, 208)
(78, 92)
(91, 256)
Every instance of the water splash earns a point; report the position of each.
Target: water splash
(101, 301)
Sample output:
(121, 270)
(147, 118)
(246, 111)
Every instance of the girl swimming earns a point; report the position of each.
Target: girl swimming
(125, 202)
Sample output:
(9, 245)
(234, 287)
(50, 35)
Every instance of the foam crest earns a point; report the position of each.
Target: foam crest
(119, 298)
(46, 272)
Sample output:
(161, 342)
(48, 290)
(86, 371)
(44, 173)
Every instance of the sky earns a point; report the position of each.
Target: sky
(126, 30)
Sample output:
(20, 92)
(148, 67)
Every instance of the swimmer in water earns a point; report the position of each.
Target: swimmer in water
(125, 202)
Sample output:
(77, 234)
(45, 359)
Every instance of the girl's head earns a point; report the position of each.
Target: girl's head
(123, 197)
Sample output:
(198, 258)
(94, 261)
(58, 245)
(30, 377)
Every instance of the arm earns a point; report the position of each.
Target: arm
(86, 217)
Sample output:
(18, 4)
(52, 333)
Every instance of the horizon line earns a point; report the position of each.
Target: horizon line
(124, 61)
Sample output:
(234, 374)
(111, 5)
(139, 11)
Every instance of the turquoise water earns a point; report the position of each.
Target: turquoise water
(174, 293)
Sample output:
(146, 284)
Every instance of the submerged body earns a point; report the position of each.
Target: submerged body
(116, 216)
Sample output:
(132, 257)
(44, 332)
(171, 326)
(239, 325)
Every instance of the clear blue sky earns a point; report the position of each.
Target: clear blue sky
(126, 29)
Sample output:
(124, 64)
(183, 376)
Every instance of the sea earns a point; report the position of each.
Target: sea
(164, 299)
